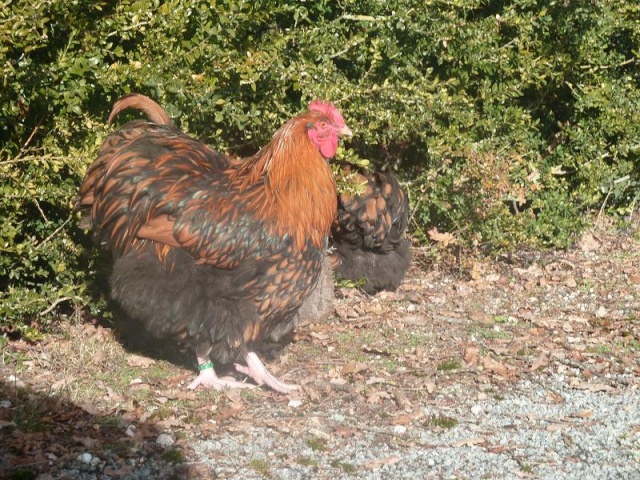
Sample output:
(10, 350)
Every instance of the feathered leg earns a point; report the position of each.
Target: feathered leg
(208, 378)
(259, 373)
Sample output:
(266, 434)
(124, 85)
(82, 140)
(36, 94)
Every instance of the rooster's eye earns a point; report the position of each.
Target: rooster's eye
(323, 124)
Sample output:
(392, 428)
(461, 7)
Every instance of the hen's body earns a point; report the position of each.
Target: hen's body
(368, 233)
(216, 253)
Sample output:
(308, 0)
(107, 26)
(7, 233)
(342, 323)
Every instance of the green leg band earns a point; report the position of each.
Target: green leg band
(205, 366)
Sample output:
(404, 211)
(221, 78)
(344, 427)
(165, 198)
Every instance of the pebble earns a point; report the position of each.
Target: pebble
(476, 410)
(15, 381)
(85, 458)
(165, 440)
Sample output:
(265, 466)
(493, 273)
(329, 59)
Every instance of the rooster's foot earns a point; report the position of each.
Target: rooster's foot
(208, 378)
(259, 373)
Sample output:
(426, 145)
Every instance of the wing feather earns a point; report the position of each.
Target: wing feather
(154, 183)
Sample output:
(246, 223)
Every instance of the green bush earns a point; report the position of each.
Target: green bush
(509, 121)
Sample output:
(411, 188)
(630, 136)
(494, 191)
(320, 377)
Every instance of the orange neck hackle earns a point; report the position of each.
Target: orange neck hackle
(297, 192)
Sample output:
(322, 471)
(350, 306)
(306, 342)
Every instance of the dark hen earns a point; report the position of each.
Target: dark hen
(368, 233)
(216, 253)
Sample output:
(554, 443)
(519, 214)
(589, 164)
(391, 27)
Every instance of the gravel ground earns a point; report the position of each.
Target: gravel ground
(540, 429)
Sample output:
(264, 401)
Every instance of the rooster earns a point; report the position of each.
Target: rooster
(216, 253)
(367, 234)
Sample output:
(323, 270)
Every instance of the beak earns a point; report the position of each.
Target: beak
(345, 132)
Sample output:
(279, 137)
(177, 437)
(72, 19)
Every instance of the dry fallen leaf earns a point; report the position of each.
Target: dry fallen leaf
(541, 361)
(138, 361)
(353, 368)
(588, 413)
(375, 464)
(471, 355)
(235, 396)
(345, 432)
(374, 380)
(442, 238)
(469, 442)
(88, 442)
(401, 399)
(402, 420)
(554, 397)
(591, 387)
(497, 367)
(476, 271)
(377, 395)
(588, 243)
(118, 473)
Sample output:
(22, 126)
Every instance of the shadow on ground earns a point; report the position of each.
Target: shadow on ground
(45, 436)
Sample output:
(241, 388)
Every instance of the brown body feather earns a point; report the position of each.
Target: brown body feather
(218, 253)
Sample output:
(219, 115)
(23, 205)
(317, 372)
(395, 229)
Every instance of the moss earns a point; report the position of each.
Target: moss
(449, 365)
(317, 444)
(440, 421)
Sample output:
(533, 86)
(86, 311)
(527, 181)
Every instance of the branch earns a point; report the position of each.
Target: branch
(54, 305)
(32, 158)
(40, 209)
(54, 233)
(33, 133)
(364, 18)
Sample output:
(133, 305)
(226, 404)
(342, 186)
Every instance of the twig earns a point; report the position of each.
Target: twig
(54, 305)
(55, 232)
(33, 133)
(32, 158)
(341, 52)
(27, 465)
(415, 208)
(601, 211)
(364, 18)
(40, 210)
(633, 207)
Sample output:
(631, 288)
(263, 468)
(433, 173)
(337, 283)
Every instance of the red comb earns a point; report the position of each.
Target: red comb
(328, 109)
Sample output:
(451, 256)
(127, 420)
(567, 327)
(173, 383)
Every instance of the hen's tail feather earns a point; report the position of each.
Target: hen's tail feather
(114, 145)
(154, 112)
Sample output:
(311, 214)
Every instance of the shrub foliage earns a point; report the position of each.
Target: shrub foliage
(508, 120)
